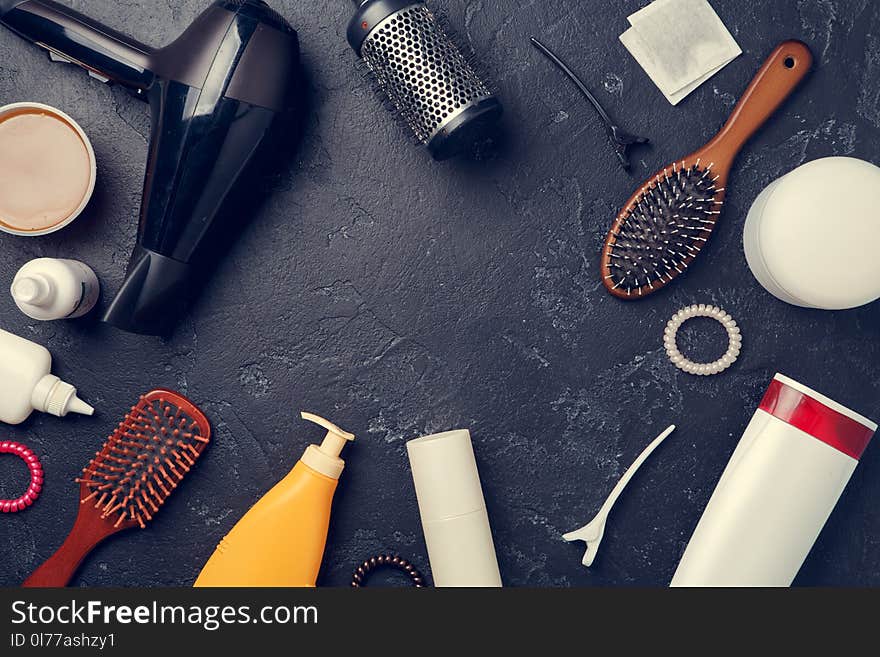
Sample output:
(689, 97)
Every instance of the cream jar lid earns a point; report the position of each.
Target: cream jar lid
(48, 169)
(818, 233)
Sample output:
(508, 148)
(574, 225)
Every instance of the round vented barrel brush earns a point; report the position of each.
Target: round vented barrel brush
(424, 75)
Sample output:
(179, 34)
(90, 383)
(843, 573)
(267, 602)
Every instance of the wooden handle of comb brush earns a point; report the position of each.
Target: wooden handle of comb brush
(88, 530)
(774, 82)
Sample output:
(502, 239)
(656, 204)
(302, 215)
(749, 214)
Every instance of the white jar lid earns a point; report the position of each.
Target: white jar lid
(818, 234)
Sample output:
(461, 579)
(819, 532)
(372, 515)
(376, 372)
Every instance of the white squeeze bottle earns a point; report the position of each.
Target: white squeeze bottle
(51, 288)
(788, 471)
(26, 384)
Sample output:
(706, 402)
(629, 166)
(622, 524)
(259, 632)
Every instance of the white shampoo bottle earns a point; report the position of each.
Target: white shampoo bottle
(51, 288)
(27, 385)
(785, 476)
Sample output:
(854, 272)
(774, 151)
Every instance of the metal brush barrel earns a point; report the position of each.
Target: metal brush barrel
(424, 74)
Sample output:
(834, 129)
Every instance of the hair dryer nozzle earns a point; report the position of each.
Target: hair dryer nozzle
(152, 296)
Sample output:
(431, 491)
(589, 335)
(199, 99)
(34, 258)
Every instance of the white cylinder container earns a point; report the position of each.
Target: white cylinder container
(782, 482)
(453, 510)
(811, 237)
(51, 288)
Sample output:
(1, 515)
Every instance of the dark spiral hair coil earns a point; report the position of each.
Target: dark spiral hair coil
(363, 572)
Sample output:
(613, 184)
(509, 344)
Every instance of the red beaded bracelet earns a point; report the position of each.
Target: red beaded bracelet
(36, 470)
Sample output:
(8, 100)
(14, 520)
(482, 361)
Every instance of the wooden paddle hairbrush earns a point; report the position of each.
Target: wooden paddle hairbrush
(138, 467)
(666, 223)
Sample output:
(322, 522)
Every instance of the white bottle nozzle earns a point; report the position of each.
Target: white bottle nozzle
(36, 290)
(324, 458)
(77, 405)
(54, 396)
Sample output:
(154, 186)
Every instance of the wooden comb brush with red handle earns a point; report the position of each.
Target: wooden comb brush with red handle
(138, 467)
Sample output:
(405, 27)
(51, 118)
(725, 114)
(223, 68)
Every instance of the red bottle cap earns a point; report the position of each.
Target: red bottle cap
(817, 415)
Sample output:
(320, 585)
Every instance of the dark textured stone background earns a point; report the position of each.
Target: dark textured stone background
(401, 297)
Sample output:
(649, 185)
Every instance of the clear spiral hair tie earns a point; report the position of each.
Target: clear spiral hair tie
(702, 369)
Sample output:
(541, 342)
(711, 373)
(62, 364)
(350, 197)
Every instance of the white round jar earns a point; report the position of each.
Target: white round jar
(812, 237)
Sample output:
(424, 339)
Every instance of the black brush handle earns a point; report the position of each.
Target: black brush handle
(71, 36)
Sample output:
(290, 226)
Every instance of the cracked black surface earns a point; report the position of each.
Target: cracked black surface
(400, 297)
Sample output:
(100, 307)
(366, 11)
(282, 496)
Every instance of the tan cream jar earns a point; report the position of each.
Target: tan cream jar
(47, 169)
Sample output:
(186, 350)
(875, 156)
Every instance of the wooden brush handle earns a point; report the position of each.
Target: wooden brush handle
(88, 530)
(775, 81)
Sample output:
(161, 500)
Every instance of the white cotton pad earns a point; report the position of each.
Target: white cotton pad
(637, 49)
(680, 44)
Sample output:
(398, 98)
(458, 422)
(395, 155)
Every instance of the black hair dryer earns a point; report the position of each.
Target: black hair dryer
(217, 95)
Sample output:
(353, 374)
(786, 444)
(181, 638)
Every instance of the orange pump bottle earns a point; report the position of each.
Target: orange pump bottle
(280, 541)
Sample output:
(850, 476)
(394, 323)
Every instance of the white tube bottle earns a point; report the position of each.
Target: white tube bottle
(52, 288)
(785, 476)
(26, 384)
(453, 511)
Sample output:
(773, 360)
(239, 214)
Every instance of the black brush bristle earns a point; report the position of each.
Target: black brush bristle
(664, 230)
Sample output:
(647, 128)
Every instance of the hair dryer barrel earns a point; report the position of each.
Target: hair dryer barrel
(71, 37)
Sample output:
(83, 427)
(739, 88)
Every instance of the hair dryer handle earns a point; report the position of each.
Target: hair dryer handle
(72, 37)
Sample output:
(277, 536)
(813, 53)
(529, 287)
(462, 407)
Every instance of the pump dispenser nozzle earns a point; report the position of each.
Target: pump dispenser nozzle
(324, 458)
